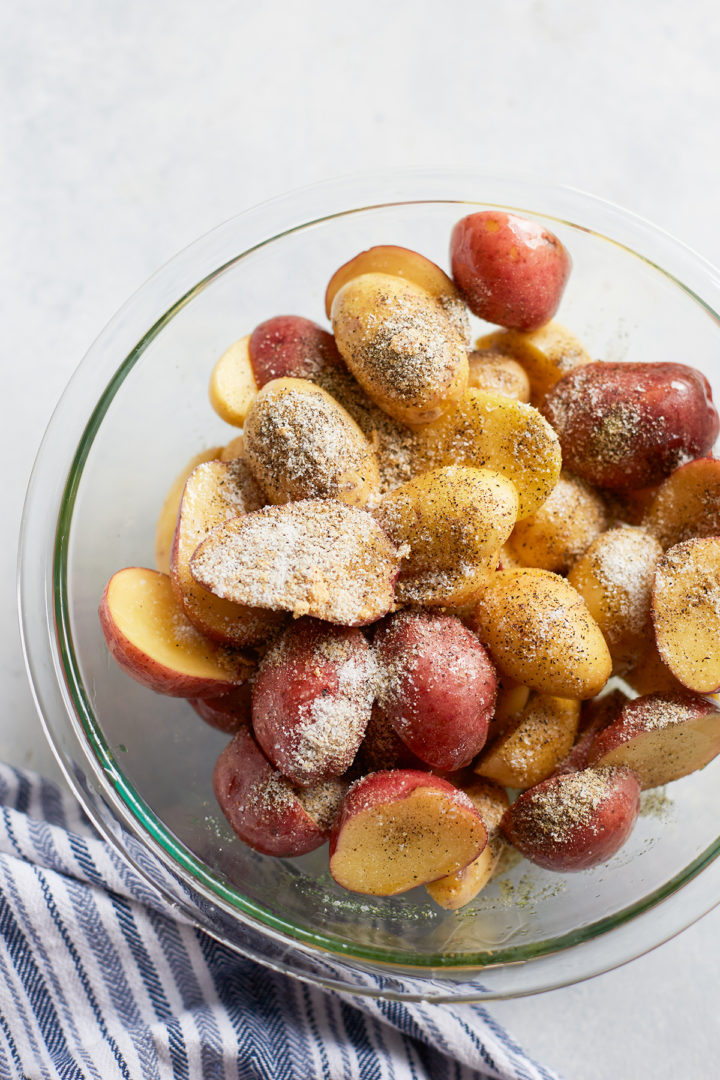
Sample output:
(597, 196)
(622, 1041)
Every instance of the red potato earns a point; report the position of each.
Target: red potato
(264, 809)
(382, 748)
(575, 821)
(661, 737)
(403, 828)
(687, 504)
(624, 426)
(437, 686)
(312, 700)
(152, 640)
(227, 713)
(686, 613)
(289, 346)
(510, 271)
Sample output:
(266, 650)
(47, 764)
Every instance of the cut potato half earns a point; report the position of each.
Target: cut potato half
(167, 520)
(232, 387)
(686, 612)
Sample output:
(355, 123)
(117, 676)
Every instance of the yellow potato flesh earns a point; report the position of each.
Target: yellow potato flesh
(686, 612)
(391, 848)
(494, 432)
(455, 890)
(167, 520)
(572, 516)
(530, 751)
(540, 633)
(666, 754)
(143, 607)
(545, 354)
(454, 520)
(498, 375)
(232, 387)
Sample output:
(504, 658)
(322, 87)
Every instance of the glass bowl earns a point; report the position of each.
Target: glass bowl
(137, 410)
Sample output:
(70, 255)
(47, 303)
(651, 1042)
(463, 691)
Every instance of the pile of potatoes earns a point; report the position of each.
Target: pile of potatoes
(403, 587)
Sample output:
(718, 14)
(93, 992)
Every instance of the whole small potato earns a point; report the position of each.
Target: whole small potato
(572, 516)
(401, 346)
(539, 632)
(510, 271)
(615, 578)
(455, 521)
(494, 432)
(629, 425)
(300, 444)
(437, 686)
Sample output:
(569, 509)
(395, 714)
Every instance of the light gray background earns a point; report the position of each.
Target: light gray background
(128, 129)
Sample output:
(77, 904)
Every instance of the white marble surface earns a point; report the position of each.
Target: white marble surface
(129, 129)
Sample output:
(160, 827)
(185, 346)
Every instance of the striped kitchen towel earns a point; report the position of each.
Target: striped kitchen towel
(97, 981)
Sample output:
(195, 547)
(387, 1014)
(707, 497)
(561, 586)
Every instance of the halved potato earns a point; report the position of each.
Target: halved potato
(572, 516)
(533, 746)
(498, 374)
(489, 431)
(232, 384)
(687, 504)
(454, 520)
(686, 612)
(545, 354)
(165, 528)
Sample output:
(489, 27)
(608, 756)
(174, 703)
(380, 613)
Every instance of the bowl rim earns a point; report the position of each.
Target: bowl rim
(54, 649)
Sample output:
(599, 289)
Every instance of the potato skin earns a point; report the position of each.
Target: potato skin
(574, 821)
(437, 686)
(455, 520)
(300, 444)
(628, 425)
(510, 271)
(289, 346)
(260, 804)
(312, 699)
(540, 633)
(401, 347)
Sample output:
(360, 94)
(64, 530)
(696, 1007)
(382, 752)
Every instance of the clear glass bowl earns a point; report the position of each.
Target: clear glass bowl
(141, 765)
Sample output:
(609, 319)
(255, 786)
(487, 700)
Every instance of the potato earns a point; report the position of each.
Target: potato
(167, 519)
(545, 354)
(594, 716)
(403, 263)
(650, 674)
(437, 686)
(313, 557)
(541, 634)
(288, 346)
(615, 579)
(510, 271)
(686, 613)
(382, 748)
(264, 809)
(687, 504)
(575, 821)
(233, 450)
(229, 712)
(661, 737)
(628, 425)
(312, 699)
(572, 516)
(232, 384)
(454, 520)
(511, 699)
(401, 346)
(456, 890)
(214, 492)
(402, 828)
(494, 432)
(535, 743)
(498, 374)
(300, 444)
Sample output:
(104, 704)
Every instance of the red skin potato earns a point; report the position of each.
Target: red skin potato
(389, 786)
(290, 346)
(260, 805)
(312, 667)
(628, 426)
(595, 716)
(437, 687)
(510, 271)
(227, 713)
(574, 842)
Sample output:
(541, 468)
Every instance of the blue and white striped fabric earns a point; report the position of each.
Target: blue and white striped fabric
(97, 982)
